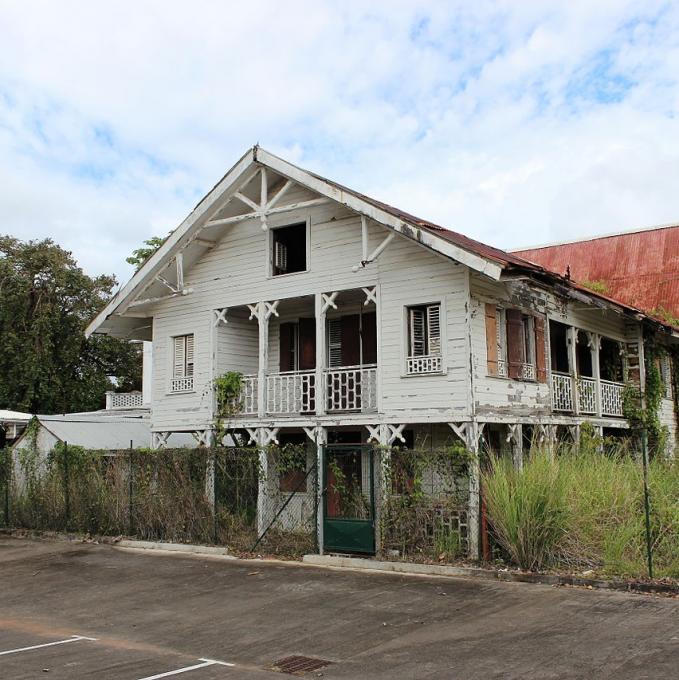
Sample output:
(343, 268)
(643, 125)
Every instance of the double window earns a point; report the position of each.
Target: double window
(515, 344)
(424, 339)
(182, 367)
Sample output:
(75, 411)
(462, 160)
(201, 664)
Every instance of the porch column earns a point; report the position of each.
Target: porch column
(573, 366)
(320, 311)
(263, 436)
(380, 434)
(470, 433)
(319, 435)
(263, 320)
(515, 438)
(595, 346)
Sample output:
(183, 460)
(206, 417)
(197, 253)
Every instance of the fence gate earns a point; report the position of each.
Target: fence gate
(348, 498)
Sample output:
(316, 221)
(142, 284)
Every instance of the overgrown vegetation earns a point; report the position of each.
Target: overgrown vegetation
(425, 511)
(579, 510)
(161, 495)
(598, 286)
(665, 315)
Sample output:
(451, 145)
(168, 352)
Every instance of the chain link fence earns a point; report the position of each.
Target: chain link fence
(424, 509)
(223, 496)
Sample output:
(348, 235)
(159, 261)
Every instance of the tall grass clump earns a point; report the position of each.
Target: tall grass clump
(578, 509)
(528, 509)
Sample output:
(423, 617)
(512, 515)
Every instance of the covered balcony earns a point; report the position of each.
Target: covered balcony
(587, 372)
(292, 376)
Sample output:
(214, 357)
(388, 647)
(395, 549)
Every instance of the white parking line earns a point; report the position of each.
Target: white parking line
(186, 669)
(73, 638)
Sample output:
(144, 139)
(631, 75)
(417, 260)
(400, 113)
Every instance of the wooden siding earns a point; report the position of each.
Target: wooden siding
(494, 396)
(235, 273)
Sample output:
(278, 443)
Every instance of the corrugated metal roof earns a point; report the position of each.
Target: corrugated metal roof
(640, 268)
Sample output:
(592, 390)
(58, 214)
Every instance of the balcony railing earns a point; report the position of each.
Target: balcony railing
(611, 398)
(347, 388)
(291, 392)
(587, 395)
(351, 388)
(563, 391)
(123, 400)
(247, 403)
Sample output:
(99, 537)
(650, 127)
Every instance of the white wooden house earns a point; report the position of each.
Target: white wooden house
(353, 321)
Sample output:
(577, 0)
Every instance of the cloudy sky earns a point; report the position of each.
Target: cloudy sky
(514, 122)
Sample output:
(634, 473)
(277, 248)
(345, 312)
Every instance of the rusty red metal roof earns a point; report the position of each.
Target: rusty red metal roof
(639, 268)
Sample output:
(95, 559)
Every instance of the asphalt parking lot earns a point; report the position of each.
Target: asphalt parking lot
(74, 610)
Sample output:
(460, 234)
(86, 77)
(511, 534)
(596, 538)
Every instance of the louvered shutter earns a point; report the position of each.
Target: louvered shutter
(334, 343)
(515, 343)
(189, 356)
(179, 357)
(417, 336)
(434, 329)
(491, 338)
(540, 351)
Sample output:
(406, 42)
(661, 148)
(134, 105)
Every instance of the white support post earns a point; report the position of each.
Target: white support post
(573, 366)
(263, 195)
(179, 259)
(321, 440)
(515, 438)
(364, 238)
(210, 479)
(594, 340)
(262, 482)
(263, 320)
(321, 396)
(470, 434)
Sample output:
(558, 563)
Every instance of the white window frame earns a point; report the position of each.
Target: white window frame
(428, 363)
(182, 383)
(270, 246)
(501, 341)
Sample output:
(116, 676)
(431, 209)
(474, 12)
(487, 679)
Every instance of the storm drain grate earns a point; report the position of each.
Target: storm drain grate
(299, 664)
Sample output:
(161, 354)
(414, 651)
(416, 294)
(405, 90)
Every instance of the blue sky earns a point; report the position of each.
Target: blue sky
(515, 123)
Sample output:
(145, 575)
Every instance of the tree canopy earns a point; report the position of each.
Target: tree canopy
(46, 364)
(141, 254)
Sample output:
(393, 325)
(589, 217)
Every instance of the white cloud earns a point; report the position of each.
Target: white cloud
(514, 122)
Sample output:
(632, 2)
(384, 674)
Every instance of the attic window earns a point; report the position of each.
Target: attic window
(289, 249)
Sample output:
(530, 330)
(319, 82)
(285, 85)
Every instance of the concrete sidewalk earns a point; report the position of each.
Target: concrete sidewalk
(160, 611)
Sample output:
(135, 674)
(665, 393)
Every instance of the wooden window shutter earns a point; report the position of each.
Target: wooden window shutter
(334, 342)
(179, 357)
(189, 356)
(434, 329)
(369, 338)
(351, 340)
(491, 338)
(540, 353)
(417, 337)
(307, 344)
(286, 359)
(515, 343)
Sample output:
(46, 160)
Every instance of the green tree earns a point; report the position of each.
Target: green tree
(46, 302)
(140, 255)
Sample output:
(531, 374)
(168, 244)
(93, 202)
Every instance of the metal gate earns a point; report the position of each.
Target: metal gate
(348, 498)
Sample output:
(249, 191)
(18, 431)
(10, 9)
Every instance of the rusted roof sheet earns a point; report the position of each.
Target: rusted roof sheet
(639, 268)
(500, 256)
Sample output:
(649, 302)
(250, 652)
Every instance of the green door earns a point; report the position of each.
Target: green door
(348, 499)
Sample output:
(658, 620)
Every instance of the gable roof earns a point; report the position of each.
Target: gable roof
(640, 267)
(480, 257)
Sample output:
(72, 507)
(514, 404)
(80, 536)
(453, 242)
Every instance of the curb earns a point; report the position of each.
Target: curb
(177, 547)
(413, 568)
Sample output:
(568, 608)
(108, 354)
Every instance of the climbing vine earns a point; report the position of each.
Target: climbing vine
(227, 388)
(648, 415)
